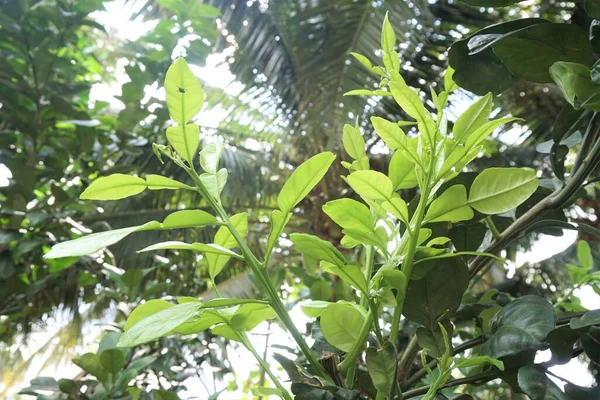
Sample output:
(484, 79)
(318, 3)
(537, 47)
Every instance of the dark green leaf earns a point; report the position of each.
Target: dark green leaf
(438, 294)
(522, 325)
(382, 368)
(537, 385)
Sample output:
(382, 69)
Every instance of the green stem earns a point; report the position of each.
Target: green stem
(407, 263)
(363, 334)
(262, 277)
(492, 226)
(285, 394)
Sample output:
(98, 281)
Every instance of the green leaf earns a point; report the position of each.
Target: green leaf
(472, 119)
(434, 341)
(474, 361)
(482, 71)
(262, 391)
(389, 132)
(351, 274)
(529, 53)
(227, 332)
(224, 238)
(561, 341)
(158, 182)
(214, 183)
(158, 324)
(314, 308)
(184, 93)
(449, 84)
(94, 242)
(388, 37)
(497, 190)
(210, 157)
(522, 325)
(584, 255)
(590, 342)
(114, 187)
(350, 214)
(438, 294)
(113, 360)
(588, 319)
(398, 208)
(303, 180)
(188, 219)
(353, 142)
(205, 248)
(592, 7)
(315, 247)
(90, 363)
(340, 323)
(371, 185)
(185, 140)
(575, 82)
(248, 316)
(408, 99)
(485, 130)
(402, 170)
(382, 364)
(533, 381)
(144, 310)
(451, 206)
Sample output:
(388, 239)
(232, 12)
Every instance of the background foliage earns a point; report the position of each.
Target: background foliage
(293, 66)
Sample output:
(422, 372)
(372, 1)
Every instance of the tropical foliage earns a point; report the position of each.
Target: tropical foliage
(403, 258)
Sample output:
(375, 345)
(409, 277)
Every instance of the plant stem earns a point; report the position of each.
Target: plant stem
(432, 364)
(492, 226)
(477, 378)
(265, 366)
(407, 263)
(262, 277)
(407, 357)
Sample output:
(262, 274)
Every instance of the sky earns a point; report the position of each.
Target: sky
(116, 19)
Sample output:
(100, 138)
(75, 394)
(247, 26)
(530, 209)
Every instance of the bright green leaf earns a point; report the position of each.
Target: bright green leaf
(451, 206)
(157, 182)
(350, 214)
(94, 242)
(584, 255)
(473, 118)
(314, 308)
(114, 187)
(388, 37)
(371, 185)
(224, 238)
(185, 140)
(303, 180)
(389, 132)
(184, 93)
(318, 248)
(210, 157)
(475, 361)
(351, 274)
(398, 208)
(497, 190)
(353, 142)
(340, 324)
(158, 324)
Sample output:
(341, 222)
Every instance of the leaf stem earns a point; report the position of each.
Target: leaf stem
(262, 277)
(265, 366)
